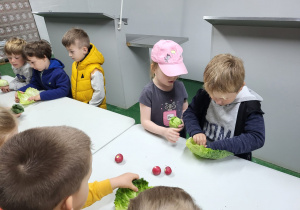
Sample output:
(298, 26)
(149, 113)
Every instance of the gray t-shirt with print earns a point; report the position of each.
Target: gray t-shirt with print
(164, 104)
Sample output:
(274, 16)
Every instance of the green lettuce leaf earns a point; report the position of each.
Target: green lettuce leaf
(3, 82)
(204, 152)
(175, 122)
(17, 108)
(123, 195)
(28, 93)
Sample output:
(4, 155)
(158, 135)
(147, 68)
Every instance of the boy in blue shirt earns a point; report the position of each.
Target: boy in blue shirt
(226, 114)
(48, 73)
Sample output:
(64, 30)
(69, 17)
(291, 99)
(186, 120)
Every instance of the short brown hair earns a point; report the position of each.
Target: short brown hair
(74, 34)
(163, 198)
(38, 49)
(8, 124)
(225, 73)
(42, 166)
(15, 46)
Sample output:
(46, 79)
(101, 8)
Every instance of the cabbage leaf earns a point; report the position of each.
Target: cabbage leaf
(123, 195)
(3, 82)
(27, 94)
(175, 122)
(204, 152)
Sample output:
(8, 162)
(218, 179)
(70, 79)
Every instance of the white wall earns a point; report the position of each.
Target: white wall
(185, 18)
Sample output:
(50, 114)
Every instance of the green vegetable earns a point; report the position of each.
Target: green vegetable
(27, 94)
(17, 108)
(3, 82)
(175, 122)
(204, 152)
(123, 195)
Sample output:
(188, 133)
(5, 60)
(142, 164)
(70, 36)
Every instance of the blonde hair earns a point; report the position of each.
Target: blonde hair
(225, 73)
(74, 34)
(15, 46)
(153, 67)
(8, 124)
(163, 198)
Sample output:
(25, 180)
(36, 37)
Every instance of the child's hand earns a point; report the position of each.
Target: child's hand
(124, 181)
(34, 98)
(17, 100)
(5, 89)
(181, 126)
(172, 134)
(200, 139)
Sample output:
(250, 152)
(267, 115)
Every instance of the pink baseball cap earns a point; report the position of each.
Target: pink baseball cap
(168, 55)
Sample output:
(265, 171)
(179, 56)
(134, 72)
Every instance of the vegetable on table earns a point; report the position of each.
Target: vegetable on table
(17, 108)
(175, 122)
(204, 152)
(3, 82)
(27, 94)
(156, 170)
(168, 170)
(119, 158)
(123, 195)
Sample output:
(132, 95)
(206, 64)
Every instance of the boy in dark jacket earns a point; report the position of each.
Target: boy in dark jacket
(226, 114)
(48, 73)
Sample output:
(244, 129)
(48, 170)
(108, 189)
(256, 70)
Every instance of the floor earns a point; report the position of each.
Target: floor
(134, 112)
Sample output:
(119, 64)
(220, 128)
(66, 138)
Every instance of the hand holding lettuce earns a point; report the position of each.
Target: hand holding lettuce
(204, 152)
(175, 122)
(23, 97)
(123, 195)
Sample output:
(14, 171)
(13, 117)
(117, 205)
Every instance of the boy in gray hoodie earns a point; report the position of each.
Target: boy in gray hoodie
(226, 114)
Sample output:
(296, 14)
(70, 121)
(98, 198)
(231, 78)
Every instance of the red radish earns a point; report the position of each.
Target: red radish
(156, 170)
(168, 170)
(119, 158)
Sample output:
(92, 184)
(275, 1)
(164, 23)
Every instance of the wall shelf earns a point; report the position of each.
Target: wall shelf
(78, 15)
(254, 21)
(147, 41)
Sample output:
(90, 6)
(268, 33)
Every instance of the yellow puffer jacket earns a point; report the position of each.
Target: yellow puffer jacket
(81, 76)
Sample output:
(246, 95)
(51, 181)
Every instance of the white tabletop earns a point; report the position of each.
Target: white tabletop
(7, 99)
(230, 183)
(101, 125)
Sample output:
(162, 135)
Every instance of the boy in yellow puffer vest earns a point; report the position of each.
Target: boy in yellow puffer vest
(87, 80)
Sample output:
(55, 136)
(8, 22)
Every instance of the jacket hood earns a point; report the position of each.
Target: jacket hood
(94, 57)
(55, 63)
(246, 94)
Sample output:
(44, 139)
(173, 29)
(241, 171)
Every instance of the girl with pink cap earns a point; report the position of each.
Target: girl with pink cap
(164, 97)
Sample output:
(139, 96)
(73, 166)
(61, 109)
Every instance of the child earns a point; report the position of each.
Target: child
(226, 115)
(48, 168)
(164, 97)
(88, 81)
(8, 125)
(14, 52)
(48, 73)
(163, 198)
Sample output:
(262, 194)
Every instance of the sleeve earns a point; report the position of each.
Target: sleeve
(191, 116)
(253, 137)
(97, 82)
(146, 97)
(97, 190)
(183, 90)
(33, 82)
(16, 83)
(62, 89)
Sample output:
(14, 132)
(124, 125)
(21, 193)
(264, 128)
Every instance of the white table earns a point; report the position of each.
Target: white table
(101, 125)
(7, 99)
(231, 183)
